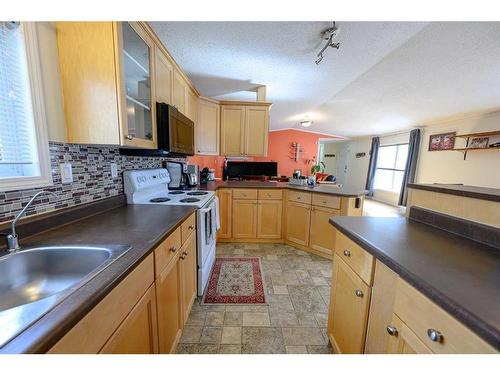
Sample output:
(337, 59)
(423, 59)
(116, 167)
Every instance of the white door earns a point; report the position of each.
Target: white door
(343, 166)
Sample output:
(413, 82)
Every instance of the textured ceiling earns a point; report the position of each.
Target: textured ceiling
(387, 76)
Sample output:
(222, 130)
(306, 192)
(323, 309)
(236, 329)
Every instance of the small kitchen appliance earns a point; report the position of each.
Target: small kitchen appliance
(178, 172)
(192, 175)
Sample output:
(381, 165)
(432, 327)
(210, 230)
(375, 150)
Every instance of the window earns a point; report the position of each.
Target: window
(391, 164)
(24, 160)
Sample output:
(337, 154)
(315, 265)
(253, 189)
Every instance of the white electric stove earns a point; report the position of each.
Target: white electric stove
(150, 186)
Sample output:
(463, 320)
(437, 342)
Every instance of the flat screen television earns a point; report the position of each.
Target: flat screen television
(237, 169)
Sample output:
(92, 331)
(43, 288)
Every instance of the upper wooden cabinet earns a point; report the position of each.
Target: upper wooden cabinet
(164, 76)
(192, 106)
(207, 127)
(244, 129)
(180, 92)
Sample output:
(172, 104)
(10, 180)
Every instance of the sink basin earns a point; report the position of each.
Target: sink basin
(35, 279)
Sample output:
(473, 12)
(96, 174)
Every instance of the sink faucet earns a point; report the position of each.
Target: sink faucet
(12, 240)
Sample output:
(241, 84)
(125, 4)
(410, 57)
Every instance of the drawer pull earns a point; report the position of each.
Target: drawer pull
(299, 198)
(324, 202)
(434, 335)
(191, 227)
(173, 249)
(359, 293)
(184, 255)
(393, 331)
(347, 253)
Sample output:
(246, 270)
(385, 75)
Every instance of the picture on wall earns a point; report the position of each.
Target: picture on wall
(479, 142)
(440, 142)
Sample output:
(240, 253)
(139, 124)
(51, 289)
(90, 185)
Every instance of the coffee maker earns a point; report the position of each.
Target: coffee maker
(192, 175)
(178, 174)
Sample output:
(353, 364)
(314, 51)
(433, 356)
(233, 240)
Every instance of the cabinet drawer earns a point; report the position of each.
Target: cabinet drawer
(358, 259)
(325, 200)
(299, 196)
(270, 194)
(167, 250)
(188, 227)
(245, 194)
(421, 315)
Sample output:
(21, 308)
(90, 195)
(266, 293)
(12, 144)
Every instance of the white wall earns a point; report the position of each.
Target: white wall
(481, 168)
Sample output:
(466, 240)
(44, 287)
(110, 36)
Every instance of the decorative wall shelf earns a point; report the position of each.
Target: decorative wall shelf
(468, 137)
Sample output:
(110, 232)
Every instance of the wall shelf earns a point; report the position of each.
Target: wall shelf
(467, 138)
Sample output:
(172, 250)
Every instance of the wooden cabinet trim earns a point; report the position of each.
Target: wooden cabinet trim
(356, 257)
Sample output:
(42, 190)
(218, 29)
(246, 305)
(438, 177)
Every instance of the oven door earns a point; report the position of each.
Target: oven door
(206, 241)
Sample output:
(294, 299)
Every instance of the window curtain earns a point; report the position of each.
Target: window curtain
(411, 165)
(372, 167)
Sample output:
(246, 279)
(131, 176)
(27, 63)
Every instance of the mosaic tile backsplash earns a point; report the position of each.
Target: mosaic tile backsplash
(91, 178)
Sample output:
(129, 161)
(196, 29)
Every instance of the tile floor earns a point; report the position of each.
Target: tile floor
(293, 321)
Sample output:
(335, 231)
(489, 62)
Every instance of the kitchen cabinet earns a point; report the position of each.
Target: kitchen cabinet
(225, 213)
(180, 93)
(348, 314)
(208, 127)
(164, 75)
(269, 214)
(192, 106)
(188, 275)
(138, 333)
(244, 218)
(297, 223)
(402, 340)
(322, 233)
(169, 305)
(244, 129)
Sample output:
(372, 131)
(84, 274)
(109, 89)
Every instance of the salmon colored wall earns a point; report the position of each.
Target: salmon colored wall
(279, 150)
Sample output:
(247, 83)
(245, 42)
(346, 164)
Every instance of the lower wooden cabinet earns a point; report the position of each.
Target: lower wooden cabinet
(138, 333)
(298, 218)
(169, 306)
(348, 315)
(244, 218)
(269, 215)
(402, 340)
(225, 213)
(188, 269)
(322, 233)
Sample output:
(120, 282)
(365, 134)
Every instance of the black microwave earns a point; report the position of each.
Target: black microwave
(175, 131)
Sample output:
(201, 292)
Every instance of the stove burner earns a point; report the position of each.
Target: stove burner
(160, 199)
(189, 200)
(197, 193)
(176, 192)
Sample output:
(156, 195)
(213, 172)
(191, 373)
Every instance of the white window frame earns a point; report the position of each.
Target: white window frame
(39, 116)
(390, 169)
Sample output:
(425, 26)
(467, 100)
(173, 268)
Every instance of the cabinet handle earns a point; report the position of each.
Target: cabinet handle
(312, 209)
(391, 330)
(129, 137)
(184, 255)
(324, 202)
(347, 253)
(191, 227)
(299, 198)
(359, 293)
(173, 249)
(434, 335)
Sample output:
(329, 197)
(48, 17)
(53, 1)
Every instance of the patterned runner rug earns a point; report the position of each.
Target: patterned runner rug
(235, 280)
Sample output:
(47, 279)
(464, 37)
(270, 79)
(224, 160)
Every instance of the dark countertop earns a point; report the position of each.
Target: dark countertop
(319, 188)
(478, 192)
(460, 275)
(141, 226)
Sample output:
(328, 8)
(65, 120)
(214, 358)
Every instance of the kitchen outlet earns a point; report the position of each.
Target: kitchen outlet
(114, 170)
(66, 173)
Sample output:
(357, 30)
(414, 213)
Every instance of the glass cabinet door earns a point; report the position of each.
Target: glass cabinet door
(136, 63)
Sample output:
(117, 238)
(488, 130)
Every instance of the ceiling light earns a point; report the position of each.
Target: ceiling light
(306, 124)
(328, 35)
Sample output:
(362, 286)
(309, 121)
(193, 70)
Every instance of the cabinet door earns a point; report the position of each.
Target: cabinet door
(137, 86)
(164, 75)
(208, 128)
(298, 217)
(322, 236)
(244, 218)
(402, 340)
(188, 272)
(256, 131)
(350, 299)
(192, 106)
(138, 333)
(225, 212)
(269, 219)
(232, 130)
(169, 306)
(180, 93)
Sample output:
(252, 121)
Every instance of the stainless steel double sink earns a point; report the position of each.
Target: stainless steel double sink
(34, 280)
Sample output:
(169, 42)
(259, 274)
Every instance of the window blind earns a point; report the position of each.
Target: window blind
(18, 154)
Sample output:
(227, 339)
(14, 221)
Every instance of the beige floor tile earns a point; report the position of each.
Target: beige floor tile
(296, 349)
(211, 335)
(320, 281)
(251, 308)
(303, 336)
(271, 257)
(280, 289)
(231, 335)
(319, 349)
(191, 335)
(214, 318)
(253, 319)
(233, 318)
(229, 349)
(262, 340)
(196, 318)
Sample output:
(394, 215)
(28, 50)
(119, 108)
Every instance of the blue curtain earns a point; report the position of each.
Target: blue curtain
(372, 168)
(411, 165)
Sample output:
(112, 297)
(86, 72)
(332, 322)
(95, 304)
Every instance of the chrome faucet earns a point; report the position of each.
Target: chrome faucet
(12, 239)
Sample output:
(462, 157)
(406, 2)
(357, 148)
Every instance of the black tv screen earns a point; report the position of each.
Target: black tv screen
(235, 169)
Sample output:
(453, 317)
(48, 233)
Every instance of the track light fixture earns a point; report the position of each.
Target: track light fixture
(328, 34)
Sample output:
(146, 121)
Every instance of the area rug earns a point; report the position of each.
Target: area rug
(235, 280)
